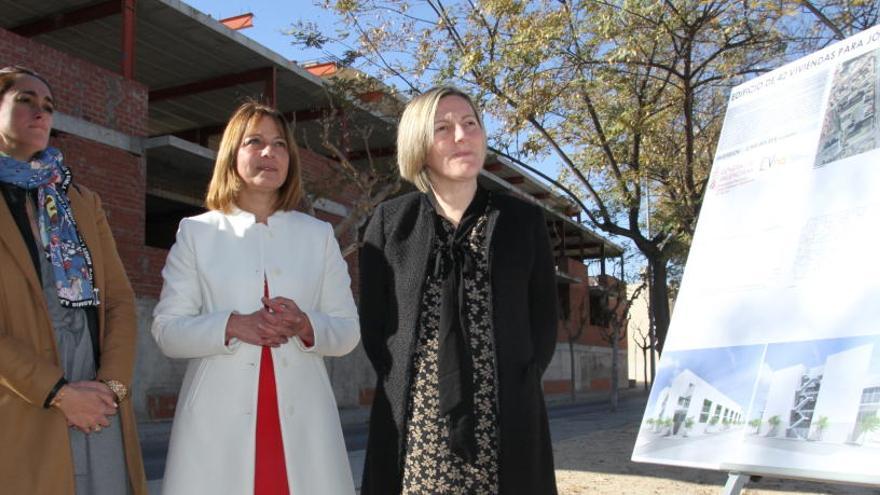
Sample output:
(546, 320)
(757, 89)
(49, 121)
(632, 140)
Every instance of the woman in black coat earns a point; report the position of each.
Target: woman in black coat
(458, 317)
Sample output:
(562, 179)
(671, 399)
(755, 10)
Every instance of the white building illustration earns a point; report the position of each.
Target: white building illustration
(832, 402)
(691, 397)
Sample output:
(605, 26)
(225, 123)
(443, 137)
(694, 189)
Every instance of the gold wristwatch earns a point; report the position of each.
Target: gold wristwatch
(118, 388)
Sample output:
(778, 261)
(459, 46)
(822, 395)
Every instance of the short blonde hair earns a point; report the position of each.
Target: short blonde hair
(415, 133)
(226, 183)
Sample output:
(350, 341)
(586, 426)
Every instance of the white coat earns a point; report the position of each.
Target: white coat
(216, 267)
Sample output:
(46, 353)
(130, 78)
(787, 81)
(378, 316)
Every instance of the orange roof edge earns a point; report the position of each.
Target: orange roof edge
(237, 22)
(322, 69)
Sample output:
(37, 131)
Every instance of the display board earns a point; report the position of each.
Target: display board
(772, 361)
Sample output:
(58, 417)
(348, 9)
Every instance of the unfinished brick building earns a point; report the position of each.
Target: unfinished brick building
(143, 89)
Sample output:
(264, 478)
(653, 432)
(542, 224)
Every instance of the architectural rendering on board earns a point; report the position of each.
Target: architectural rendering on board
(833, 402)
(691, 406)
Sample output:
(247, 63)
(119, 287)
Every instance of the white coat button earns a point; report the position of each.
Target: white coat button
(284, 362)
(290, 410)
(271, 235)
(276, 272)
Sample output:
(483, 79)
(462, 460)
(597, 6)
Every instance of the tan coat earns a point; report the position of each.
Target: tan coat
(34, 442)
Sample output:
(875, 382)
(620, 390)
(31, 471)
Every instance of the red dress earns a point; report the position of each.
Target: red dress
(270, 472)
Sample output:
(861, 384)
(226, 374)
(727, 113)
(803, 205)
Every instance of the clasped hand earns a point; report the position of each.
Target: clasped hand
(278, 321)
(87, 405)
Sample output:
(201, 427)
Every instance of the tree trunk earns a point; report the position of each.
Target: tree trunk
(659, 302)
(615, 343)
(645, 367)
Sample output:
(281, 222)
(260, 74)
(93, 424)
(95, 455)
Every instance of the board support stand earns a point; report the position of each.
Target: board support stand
(735, 483)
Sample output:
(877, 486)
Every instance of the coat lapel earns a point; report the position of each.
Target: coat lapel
(14, 243)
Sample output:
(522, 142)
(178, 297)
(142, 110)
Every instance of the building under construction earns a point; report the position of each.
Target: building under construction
(143, 89)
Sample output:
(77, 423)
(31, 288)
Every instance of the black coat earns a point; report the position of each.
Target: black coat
(393, 269)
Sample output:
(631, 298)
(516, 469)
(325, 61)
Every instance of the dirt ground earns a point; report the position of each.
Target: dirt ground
(598, 463)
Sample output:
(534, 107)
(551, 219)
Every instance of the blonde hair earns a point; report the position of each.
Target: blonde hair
(415, 133)
(226, 183)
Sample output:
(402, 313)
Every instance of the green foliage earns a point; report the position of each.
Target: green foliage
(869, 423)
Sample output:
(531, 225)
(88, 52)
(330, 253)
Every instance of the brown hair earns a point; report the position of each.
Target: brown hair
(415, 133)
(11, 73)
(226, 183)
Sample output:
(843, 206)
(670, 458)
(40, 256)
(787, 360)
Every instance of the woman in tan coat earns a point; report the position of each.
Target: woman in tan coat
(67, 317)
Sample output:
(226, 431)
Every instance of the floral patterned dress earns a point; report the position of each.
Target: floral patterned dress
(429, 466)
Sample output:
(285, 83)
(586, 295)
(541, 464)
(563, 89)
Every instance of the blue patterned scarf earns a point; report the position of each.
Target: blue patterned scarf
(70, 258)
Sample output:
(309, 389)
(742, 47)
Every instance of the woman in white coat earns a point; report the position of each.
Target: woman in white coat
(255, 295)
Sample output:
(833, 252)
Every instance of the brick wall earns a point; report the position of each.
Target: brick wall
(102, 97)
(81, 89)
(322, 177)
(580, 310)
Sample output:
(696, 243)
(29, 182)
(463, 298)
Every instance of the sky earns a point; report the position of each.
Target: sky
(273, 17)
(731, 370)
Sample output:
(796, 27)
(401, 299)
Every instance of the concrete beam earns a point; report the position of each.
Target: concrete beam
(176, 197)
(331, 207)
(100, 134)
(182, 144)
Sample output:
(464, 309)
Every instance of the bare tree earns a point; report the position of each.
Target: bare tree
(615, 310)
(575, 324)
(364, 185)
(643, 341)
(823, 22)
